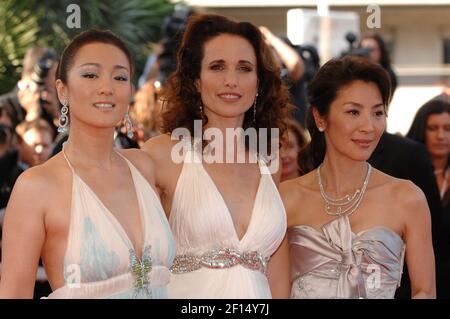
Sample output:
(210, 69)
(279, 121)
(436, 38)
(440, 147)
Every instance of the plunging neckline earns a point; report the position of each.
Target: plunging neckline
(112, 217)
(224, 204)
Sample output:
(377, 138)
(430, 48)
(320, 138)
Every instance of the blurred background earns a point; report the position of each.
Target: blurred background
(410, 39)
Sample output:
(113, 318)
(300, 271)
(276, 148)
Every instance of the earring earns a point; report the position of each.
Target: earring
(201, 108)
(128, 125)
(63, 118)
(254, 108)
(321, 129)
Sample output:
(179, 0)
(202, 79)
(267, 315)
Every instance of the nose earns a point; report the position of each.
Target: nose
(440, 133)
(367, 124)
(231, 80)
(105, 87)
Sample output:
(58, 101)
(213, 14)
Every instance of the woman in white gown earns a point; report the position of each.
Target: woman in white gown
(227, 218)
(91, 211)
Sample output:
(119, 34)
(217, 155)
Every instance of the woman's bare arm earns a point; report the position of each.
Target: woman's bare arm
(23, 236)
(279, 272)
(419, 247)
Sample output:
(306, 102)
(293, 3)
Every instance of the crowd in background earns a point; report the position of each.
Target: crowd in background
(29, 117)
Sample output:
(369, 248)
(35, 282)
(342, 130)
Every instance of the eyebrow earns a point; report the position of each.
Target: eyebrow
(223, 61)
(117, 66)
(361, 106)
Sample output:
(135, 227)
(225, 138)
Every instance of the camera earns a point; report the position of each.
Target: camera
(172, 31)
(43, 66)
(311, 60)
(353, 48)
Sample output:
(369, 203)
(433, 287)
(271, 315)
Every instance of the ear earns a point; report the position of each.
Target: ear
(61, 89)
(321, 123)
(198, 86)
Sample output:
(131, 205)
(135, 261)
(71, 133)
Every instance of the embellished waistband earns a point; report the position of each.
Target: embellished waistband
(158, 277)
(220, 259)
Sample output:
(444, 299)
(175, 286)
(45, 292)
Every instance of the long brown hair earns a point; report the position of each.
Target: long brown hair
(182, 99)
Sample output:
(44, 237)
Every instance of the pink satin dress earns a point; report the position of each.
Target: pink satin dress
(337, 263)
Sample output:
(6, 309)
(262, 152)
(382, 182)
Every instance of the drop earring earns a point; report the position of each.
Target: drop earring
(128, 125)
(63, 118)
(254, 108)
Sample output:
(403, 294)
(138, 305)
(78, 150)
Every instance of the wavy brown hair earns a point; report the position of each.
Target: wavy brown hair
(182, 99)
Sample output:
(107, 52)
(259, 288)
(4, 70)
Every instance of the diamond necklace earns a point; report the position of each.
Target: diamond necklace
(345, 205)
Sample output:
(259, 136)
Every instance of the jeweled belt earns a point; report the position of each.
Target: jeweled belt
(219, 259)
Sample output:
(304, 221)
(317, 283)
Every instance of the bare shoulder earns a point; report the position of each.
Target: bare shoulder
(402, 189)
(142, 161)
(408, 198)
(297, 190)
(39, 185)
(159, 147)
(167, 159)
(297, 186)
(410, 194)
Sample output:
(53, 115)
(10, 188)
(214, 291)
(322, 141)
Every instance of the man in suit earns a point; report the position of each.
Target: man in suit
(406, 159)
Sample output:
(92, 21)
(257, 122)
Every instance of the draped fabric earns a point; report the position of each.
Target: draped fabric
(201, 222)
(338, 263)
(99, 262)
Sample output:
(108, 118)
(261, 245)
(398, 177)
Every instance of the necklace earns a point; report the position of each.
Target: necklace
(346, 205)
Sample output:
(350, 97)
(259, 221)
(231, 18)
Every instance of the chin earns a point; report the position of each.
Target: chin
(231, 112)
(361, 156)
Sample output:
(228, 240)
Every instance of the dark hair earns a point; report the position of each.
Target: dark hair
(87, 37)
(299, 133)
(385, 60)
(182, 98)
(419, 124)
(8, 110)
(323, 90)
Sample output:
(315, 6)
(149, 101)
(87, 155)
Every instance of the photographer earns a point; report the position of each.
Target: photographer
(163, 61)
(292, 72)
(34, 142)
(9, 169)
(34, 95)
(378, 53)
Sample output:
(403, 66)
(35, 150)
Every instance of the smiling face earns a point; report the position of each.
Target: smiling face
(228, 78)
(98, 86)
(355, 122)
(437, 135)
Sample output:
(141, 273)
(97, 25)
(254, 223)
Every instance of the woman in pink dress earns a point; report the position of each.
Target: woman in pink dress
(349, 225)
